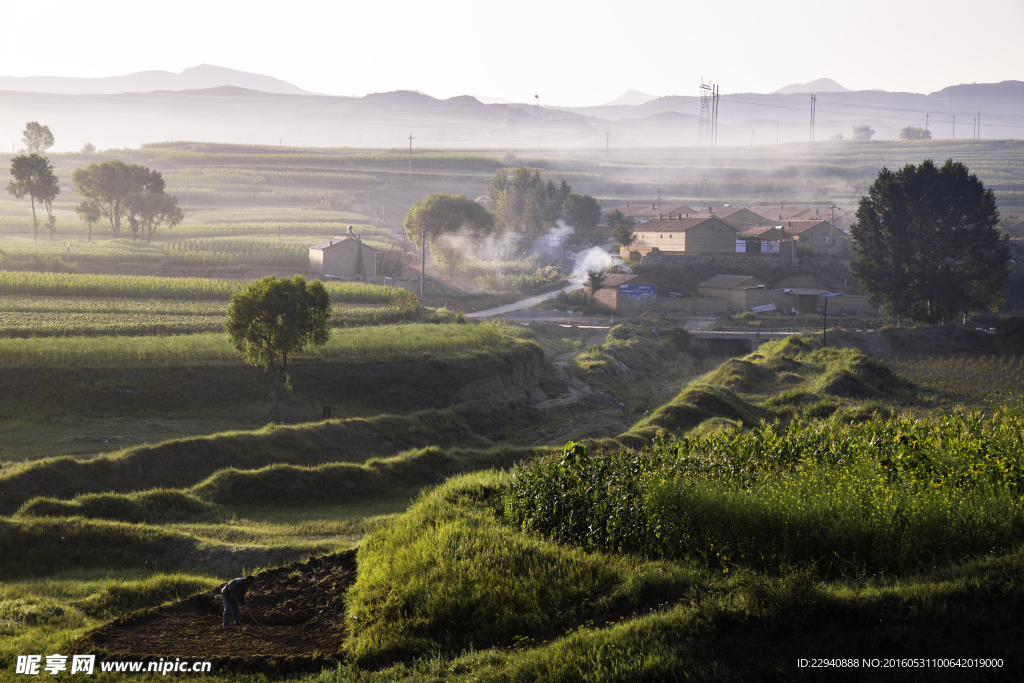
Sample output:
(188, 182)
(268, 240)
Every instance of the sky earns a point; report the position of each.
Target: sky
(569, 53)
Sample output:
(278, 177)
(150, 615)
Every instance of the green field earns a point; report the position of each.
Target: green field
(245, 190)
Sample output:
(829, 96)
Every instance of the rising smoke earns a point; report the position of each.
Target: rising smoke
(596, 258)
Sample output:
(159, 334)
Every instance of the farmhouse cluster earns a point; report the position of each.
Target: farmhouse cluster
(680, 229)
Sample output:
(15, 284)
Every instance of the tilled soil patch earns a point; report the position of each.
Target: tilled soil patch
(301, 613)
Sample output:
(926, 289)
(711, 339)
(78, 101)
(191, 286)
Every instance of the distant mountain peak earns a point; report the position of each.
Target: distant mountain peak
(631, 98)
(820, 85)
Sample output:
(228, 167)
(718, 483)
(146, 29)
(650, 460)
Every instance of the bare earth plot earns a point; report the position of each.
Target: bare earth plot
(301, 613)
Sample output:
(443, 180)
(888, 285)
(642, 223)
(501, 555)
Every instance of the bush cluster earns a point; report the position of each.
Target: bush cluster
(878, 496)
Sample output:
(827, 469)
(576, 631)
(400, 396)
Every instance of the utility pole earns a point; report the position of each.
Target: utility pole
(831, 226)
(926, 116)
(659, 199)
(714, 119)
(410, 154)
(979, 125)
(423, 264)
(824, 324)
(814, 106)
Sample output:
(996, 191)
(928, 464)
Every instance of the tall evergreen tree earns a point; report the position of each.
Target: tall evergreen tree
(926, 245)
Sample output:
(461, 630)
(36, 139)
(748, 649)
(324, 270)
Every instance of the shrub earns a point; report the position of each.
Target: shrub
(1010, 334)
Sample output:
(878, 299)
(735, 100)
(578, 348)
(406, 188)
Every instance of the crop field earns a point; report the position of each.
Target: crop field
(987, 378)
(202, 289)
(34, 316)
(290, 253)
(238, 190)
(360, 344)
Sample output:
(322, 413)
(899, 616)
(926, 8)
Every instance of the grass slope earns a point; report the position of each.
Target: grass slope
(449, 593)
(186, 462)
(781, 380)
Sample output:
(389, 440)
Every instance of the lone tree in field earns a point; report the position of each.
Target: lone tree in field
(863, 132)
(32, 175)
(90, 213)
(273, 319)
(926, 245)
(37, 138)
(453, 224)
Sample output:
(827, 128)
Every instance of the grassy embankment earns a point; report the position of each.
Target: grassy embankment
(477, 599)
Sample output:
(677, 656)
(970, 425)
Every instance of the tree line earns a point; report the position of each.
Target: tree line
(126, 195)
(520, 207)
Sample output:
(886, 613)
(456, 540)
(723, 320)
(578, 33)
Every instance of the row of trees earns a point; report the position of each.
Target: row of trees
(521, 206)
(124, 194)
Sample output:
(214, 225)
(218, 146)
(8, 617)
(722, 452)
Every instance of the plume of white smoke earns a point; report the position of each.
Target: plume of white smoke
(502, 247)
(596, 258)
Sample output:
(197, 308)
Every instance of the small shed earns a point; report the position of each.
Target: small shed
(344, 257)
(806, 299)
(625, 292)
(725, 285)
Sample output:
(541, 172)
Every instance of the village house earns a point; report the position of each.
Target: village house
(815, 235)
(765, 239)
(344, 257)
(738, 217)
(699, 234)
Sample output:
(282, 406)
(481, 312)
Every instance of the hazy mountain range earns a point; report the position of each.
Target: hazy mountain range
(211, 104)
(192, 78)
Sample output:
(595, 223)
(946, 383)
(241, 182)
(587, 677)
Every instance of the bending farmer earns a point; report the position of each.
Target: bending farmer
(234, 595)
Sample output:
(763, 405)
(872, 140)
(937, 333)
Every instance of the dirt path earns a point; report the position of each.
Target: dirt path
(578, 390)
(524, 303)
